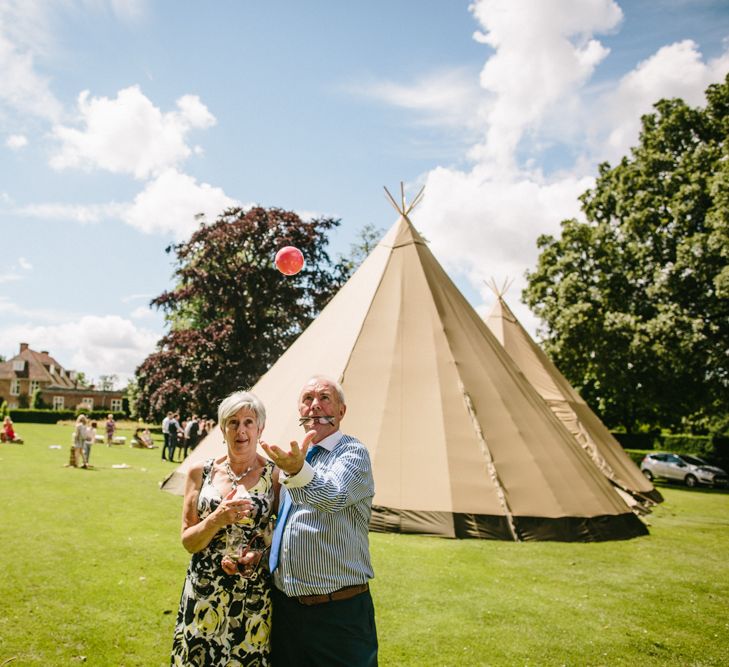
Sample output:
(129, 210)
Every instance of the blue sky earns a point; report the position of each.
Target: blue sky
(120, 120)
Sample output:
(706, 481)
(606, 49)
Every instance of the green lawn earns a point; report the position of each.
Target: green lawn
(91, 571)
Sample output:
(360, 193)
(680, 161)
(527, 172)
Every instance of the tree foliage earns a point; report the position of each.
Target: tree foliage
(364, 243)
(232, 314)
(635, 300)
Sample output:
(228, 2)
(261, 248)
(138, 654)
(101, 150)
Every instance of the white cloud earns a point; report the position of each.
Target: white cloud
(81, 213)
(96, 345)
(170, 203)
(9, 277)
(676, 70)
(143, 312)
(446, 97)
(128, 134)
(12, 310)
(16, 141)
(128, 10)
(543, 52)
(136, 297)
(13, 274)
(21, 88)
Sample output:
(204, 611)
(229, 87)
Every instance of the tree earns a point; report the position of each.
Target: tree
(366, 240)
(635, 300)
(232, 314)
(36, 400)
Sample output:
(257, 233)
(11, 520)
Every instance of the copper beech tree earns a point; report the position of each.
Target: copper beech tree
(232, 314)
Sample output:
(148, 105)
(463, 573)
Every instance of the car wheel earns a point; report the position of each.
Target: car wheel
(648, 474)
(691, 481)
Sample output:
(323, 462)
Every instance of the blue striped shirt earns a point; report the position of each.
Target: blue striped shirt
(325, 544)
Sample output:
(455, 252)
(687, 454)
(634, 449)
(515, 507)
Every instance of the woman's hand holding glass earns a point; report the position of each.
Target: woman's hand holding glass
(232, 509)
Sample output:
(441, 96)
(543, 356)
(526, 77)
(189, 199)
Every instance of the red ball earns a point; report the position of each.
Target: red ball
(289, 260)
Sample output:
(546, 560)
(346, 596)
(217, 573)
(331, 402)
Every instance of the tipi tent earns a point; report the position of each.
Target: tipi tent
(567, 404)
(461, 444)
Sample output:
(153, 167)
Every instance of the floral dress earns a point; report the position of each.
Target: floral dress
(225, 620)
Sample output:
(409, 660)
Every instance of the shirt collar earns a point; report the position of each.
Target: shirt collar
(330, 441)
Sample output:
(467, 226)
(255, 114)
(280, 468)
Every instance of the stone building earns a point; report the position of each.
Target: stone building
(29, 370)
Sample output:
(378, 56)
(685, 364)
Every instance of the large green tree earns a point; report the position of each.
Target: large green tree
(635, 300)
(232, 314)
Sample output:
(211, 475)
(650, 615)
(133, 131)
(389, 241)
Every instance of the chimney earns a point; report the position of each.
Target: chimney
(23, 347)
(44, 351)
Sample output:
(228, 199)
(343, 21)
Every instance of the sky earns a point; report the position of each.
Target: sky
(122, 120)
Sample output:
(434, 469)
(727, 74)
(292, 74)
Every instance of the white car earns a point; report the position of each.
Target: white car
(688, 469)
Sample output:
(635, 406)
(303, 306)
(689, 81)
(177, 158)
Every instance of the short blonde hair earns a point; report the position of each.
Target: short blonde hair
(238, 400)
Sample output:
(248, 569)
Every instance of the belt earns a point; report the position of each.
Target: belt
(340, 594)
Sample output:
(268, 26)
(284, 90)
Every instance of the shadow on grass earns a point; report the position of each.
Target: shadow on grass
(680, 486)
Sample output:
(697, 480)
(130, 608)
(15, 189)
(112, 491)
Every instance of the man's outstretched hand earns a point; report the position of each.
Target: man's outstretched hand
(293, 461)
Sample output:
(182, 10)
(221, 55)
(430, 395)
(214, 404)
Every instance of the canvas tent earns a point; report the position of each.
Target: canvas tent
(461, 444)
(568, 406)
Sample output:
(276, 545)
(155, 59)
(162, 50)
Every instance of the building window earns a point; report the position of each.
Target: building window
(88, 403)
(13, 406)
(58, 402)
(19, 365)
(117, 405)
(15, 388)
(34, 384)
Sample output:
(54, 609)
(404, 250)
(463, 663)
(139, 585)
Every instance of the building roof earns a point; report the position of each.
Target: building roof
(39, 366)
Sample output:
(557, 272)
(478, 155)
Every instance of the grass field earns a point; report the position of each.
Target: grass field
(91, 570)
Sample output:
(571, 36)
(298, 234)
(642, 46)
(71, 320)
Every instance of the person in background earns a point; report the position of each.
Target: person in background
(77, 441)
(89, 439)
(320, 561)
(175, 432)
(225, 608)
(202, 428)
(191, 433)
(8, 433)
(110, 430)
(166, 435)
(142, 438)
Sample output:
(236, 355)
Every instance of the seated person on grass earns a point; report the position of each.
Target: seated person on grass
(8, 433)
(143, 439)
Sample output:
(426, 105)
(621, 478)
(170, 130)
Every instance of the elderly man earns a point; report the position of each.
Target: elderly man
(322, 607)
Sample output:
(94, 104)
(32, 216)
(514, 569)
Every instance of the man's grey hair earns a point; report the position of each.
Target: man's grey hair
(328, 380)
(231, 404)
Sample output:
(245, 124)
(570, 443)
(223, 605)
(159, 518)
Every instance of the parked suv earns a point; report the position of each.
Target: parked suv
(688, 469)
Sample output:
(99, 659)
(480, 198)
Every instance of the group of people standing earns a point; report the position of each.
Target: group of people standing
(296, 594)
(84, 436)
(185, 435)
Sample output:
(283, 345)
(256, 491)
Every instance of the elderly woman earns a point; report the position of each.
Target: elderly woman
(77, 441)
(225, 609)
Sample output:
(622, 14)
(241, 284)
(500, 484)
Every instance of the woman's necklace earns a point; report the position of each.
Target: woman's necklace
(233, 477)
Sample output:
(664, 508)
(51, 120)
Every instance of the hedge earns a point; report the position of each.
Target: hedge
(22, 415)
(713, 448)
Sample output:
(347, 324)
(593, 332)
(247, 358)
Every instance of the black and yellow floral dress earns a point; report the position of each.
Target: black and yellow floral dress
(225, 620)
